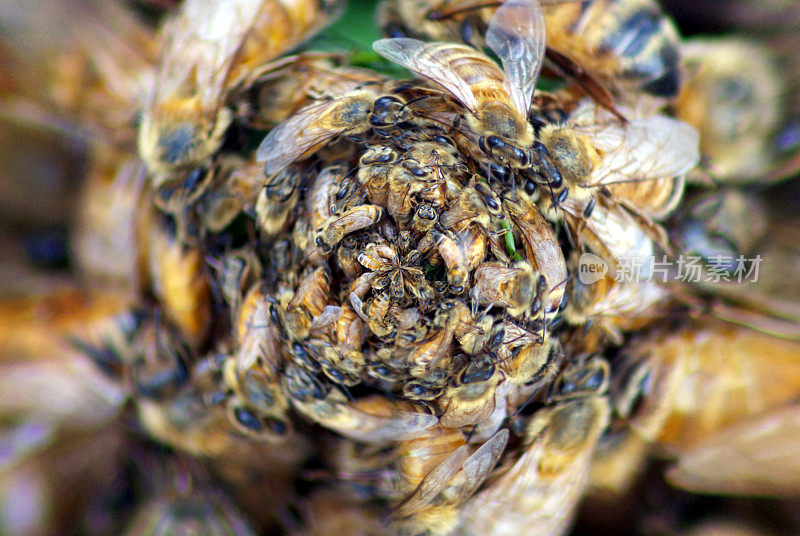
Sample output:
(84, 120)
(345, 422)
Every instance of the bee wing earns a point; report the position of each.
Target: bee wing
(517, 34)
(478, 466)
(434, 482)
(536, 496)
(613, 232)
(376, 429)
(201, 45)
(294, 137)
(648, 148)
(759, 457)
(428, 60)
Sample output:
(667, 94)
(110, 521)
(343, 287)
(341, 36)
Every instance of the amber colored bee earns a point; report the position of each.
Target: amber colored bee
(277, 200)
(497, 100)
(373, 419)
(471, 398)
(519, 288)
(351, 114)
(209, 49)
(541, 246)
(335, 511)
(337, 227)
(178, 277)
(593, 150)
(540, 490)
(234, 189)
(733, 96)
(627, 46)
(720, 397)
(253, 369)
(442, 475)
(297, 310)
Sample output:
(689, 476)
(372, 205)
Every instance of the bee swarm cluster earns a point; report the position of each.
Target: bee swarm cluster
(364, 305)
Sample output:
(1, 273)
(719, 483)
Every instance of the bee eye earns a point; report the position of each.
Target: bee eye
(247, 419)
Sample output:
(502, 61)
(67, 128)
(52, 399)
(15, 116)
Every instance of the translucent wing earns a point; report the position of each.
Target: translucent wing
(644, 149)
(201, 44)
(368, 421)
(759, 457)
(517, 34)
(539, 492)
(478, 466)
(434, 482)
(430, 60)
(295, 137)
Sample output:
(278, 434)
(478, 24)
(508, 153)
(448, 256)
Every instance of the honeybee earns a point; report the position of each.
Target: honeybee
(209, 49)
(541, 247)
(703, 394)
(309, 129)
(234, 190)
(611, 304)
(471, 398)
(298, 309)
(253, 370)
(337, 227)
(720, 225)
(519, 288)
(442, 473)
(276, 201)
(733, 97)
(397, 275)
(178, 278)
(638, 162)
(497, 100)
(374, 420)
(627, 46)
(540, 490)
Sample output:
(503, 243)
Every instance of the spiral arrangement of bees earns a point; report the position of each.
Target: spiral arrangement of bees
(309, 294)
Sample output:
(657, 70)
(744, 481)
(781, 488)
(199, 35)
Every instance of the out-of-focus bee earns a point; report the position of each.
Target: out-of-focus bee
(442, 475)
(183, 499)
(178, 278)
(627, 46)
(335, 511)
(612, 303)
(497, 101)
(105, 235)
(538, 492)
(720, 226)
(210, 48)
(374, 419)
(233, 190)
(733, 97)
(704, 395)
(94, 72)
